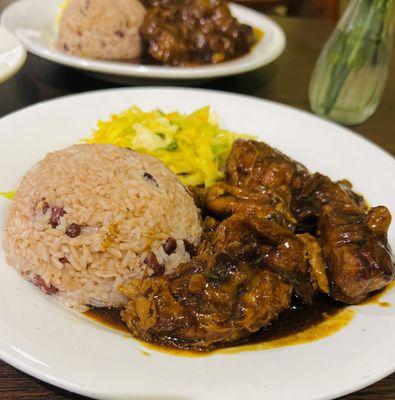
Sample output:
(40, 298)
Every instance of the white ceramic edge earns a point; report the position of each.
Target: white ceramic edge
(21, 59)
(70, 386)
(81, 390)
(228, 68)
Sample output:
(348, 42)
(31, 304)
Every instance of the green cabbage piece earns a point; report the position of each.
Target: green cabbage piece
(8, 195)
(192, 145)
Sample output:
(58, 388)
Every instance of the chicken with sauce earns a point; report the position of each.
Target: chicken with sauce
(352, 237)
(272, 231)
(193, 32)
(239, 281)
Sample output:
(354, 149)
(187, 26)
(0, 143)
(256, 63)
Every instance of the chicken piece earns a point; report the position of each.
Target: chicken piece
(239, 281)
(202, 310)
(221, 296)
(252, 164)
(317, 203)
(193, 32)
(273, 215)
(316, 261)
(224, 200)
(318, 190)
(356, 250)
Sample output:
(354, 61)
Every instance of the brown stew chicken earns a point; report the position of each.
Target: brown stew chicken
(193, 32)
(273, 234)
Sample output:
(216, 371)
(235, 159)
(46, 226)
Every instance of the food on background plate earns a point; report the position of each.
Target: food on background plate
(175, 33)
(102, 29)
(254, 234)
(193, 32)
(88, 218)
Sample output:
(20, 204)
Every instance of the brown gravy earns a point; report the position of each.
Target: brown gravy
(298, 325)
(375, 298)
(108, 316)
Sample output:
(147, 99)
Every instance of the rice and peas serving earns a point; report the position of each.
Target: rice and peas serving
(88, 218)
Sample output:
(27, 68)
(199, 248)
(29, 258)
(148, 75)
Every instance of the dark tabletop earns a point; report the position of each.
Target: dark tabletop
(285, 81)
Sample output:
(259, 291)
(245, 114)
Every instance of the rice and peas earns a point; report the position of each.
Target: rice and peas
(90, 217)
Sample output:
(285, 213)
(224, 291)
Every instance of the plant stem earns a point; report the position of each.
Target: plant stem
(353, 45)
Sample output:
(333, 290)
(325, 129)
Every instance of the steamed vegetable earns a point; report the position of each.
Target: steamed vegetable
(191, 145)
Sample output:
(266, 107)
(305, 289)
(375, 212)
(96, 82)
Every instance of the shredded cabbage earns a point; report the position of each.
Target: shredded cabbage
(192, 145)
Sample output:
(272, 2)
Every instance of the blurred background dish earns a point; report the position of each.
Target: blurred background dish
(12, 55)
(34, 22)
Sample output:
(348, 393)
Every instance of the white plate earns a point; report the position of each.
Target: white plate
(56, 345)
(12, 55)
(33, 21)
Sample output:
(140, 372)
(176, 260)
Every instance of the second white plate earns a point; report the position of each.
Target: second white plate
(12, 55)
(34, 22)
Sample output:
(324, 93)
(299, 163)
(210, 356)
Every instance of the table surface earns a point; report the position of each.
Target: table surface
(285, 81)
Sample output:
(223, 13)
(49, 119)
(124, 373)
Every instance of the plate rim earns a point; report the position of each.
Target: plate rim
(21, 59)
(70, 386)
(81, 390)
(229, 68)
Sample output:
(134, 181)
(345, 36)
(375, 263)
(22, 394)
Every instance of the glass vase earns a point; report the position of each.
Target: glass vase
(351, 71)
